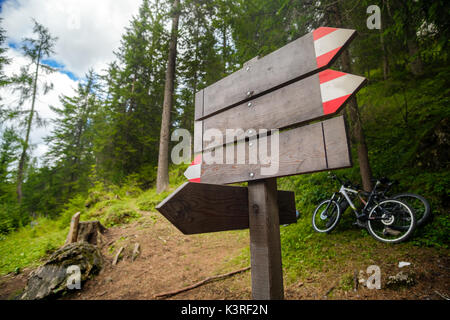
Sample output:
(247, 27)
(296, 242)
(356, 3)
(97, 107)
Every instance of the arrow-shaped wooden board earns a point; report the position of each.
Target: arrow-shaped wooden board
(201, 208)
(320, 95)
(298, 59)
(311, 148)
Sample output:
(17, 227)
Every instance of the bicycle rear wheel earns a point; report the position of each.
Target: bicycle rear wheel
(326, 216)
(419, 204)
(391, 221)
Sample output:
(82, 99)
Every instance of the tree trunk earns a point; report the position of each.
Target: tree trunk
(416, 64)
(224, 49)
(386, 69)
(23, 156)
(357, 132)
(162, 180)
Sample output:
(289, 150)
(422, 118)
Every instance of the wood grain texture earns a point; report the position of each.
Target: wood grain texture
(301, 150)
(201, 208)
(289, 63)
(293, 104)
(198, 136)
(72, 237)
(265, 245)
(336, 141)
(199, 104)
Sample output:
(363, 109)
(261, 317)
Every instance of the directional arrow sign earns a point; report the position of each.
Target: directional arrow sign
(322, 94)
(201, 208)
(298, 59)
(311, 148)
(279, 91)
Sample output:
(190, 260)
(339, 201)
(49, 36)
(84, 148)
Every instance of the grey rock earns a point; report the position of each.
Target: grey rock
(50, 280)
(401, 279)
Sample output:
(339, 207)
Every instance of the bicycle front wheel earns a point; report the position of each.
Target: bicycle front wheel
(391, 221)
(326, 216)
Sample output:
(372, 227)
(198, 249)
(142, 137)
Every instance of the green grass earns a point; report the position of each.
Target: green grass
(149, 199)
(27, 246)
(112, 206)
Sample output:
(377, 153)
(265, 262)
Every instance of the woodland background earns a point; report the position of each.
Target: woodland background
(105, 143)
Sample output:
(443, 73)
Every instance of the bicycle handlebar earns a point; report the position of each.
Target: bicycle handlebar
(385, 180)
(346, 183)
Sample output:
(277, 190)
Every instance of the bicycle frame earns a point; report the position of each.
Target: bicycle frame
(344, 191)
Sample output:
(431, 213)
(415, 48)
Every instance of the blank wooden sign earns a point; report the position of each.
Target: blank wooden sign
(201, 208)
(296, 60)
(320, 95)
(315, 147)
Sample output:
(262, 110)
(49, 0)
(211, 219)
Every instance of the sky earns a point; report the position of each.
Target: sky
(88, 32)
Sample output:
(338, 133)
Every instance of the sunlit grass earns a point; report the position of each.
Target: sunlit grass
(27, 246)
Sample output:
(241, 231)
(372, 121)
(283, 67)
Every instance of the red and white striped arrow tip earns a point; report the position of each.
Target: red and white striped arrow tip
(194, 171)
(336, 88)
(328, 42)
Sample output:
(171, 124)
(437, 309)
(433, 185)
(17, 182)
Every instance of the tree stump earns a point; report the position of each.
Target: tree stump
(90, 232)
(86, 231)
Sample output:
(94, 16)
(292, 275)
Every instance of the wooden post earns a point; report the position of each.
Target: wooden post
(72, 237)
(265, 245)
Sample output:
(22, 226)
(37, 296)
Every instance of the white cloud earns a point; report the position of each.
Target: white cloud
(63, 85)
(88, 30)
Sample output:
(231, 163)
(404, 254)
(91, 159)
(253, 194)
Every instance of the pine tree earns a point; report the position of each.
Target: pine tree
(71, 141)
(9, 148)
(127, 139)
(35, 49)
(199, 59)
(3, 62)
(3, 58)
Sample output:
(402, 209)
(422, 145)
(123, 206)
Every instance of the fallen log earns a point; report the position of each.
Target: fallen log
(198, 284)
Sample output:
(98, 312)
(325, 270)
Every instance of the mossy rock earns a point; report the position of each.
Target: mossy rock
(401, 279)
(50, 280)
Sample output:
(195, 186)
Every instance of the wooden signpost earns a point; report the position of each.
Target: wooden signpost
(201, 208)
(285, 90)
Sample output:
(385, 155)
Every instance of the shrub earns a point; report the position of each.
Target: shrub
(119, 214)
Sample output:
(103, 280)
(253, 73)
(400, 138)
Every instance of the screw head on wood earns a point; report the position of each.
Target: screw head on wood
(248, 68)
(252, 175)
(249, 93)
(249, 104)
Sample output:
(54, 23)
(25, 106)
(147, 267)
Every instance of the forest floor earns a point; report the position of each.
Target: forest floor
(170, 260)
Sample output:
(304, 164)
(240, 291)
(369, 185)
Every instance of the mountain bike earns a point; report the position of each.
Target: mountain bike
(420, 205)
(387, 220)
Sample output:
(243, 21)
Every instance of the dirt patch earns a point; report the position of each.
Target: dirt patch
(11, 285)
(429, 269)
(169, 260)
